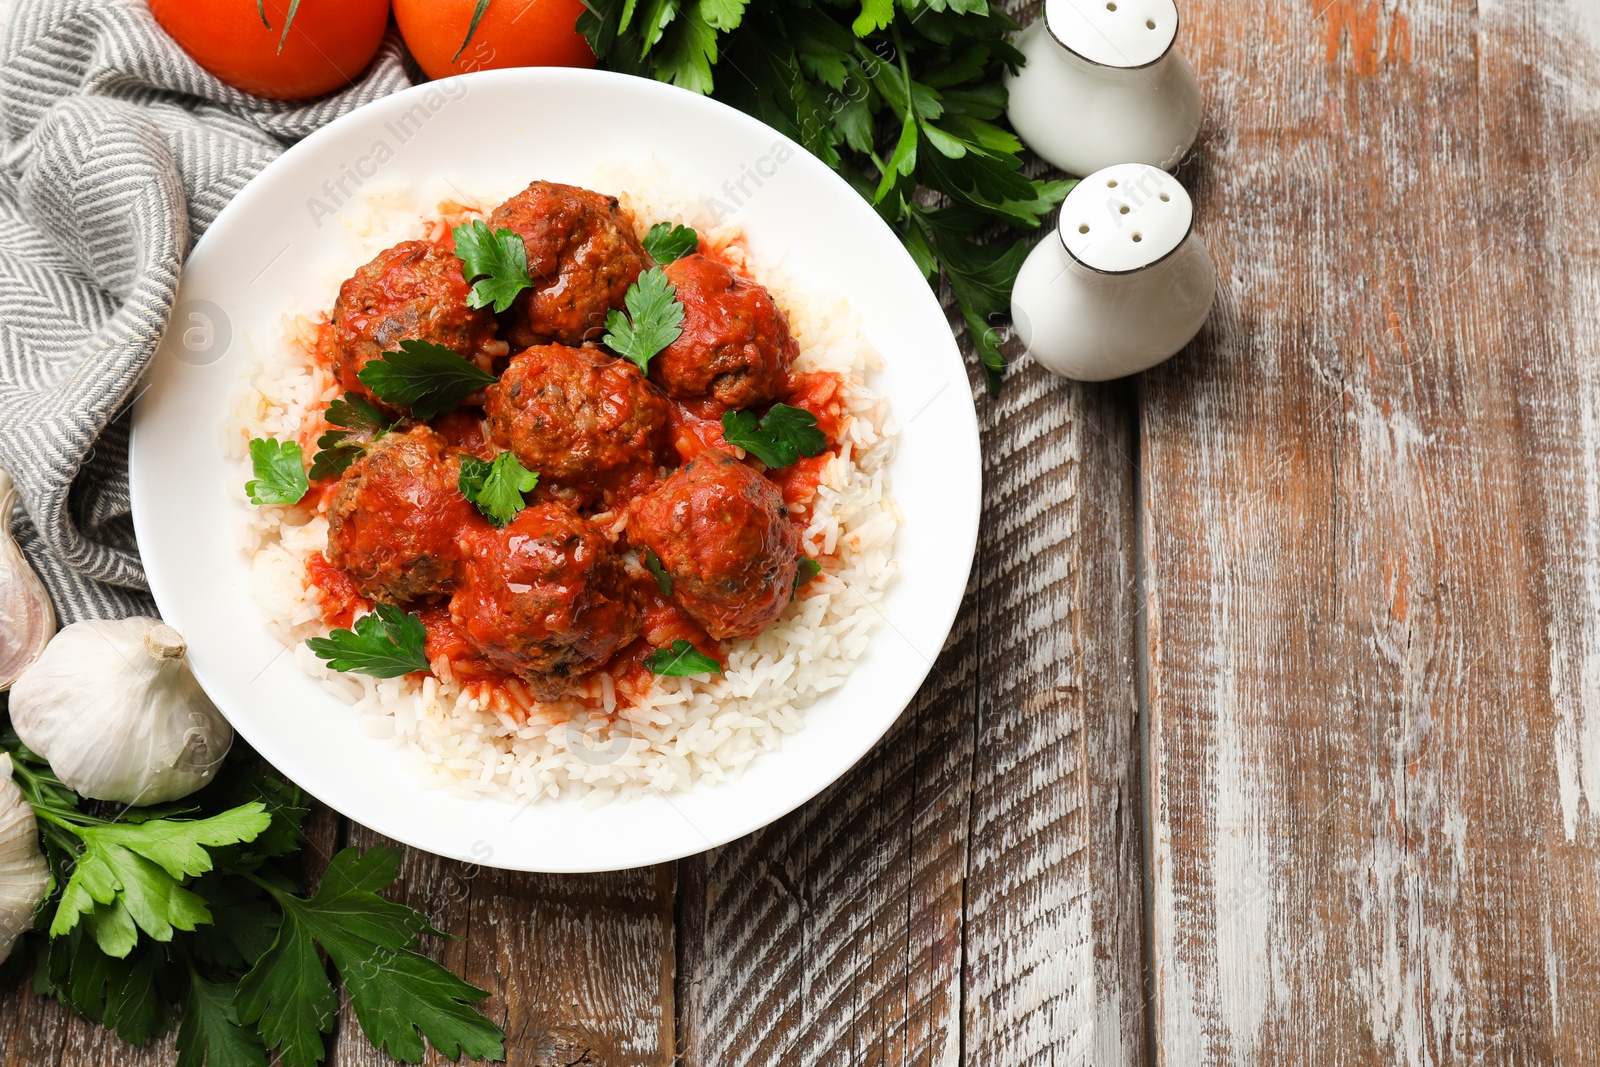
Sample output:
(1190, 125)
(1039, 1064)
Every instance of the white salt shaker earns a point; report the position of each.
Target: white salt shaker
(1103, 84)
(1123, 284)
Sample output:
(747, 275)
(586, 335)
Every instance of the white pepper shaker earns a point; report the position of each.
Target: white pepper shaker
(1104, 84)
(1122, 284)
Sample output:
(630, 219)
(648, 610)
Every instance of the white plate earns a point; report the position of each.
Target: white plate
(509, 127)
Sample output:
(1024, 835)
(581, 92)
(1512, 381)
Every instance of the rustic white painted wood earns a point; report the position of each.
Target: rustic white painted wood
(1370, 515)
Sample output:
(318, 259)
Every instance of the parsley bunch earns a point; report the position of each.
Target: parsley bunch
(196, 914)
(899, 96)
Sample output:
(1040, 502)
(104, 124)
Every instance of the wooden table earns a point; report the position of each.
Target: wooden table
(1270, 731)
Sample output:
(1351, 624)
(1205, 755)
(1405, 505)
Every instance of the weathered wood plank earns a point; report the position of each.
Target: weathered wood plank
(1047, 877)
(834, 936)
(579, 968)
(1370, 542)
(944, 900)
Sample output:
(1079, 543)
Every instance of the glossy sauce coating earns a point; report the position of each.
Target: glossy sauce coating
(735, 347)
(547, 598)
(583, 419)
(721, 532)
(397, 522)
(413, 291)
(545, 602)
(582, 256)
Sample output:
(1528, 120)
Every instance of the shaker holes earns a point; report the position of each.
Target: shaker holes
(1149, 24)
(1111, 7)
(1165, 198)
(1138, 237)
(1112, 184)
(1123, 210)
(1084, 228)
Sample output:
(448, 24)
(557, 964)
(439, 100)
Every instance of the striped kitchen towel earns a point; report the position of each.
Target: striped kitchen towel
(118, 151)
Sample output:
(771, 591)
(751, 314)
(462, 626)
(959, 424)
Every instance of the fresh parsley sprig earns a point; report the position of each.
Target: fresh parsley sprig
(496, 262)
(261, 935)
(280, 472)
(654, 319)
(129, 878)
(780, 438)
(384, 644)
(652, 563)
(899, 96)
(425, 377)
(680, 660)
(372, 942)
(666, 242)
(496, 487)
(337, 449)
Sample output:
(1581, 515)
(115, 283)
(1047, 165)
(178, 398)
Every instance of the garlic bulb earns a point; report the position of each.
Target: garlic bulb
(27, 619)
(116, 711)
(24, 877)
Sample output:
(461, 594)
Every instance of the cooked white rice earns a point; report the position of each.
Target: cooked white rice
(684, 730)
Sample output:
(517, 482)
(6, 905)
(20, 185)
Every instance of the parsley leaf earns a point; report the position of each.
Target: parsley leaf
(119, 994)
(280, 472)
(807, 570)
(385, 644)
(496, 488)
(498, 261)
(396, 991)
(656, 319)
(425, 377)
(681, 660)
(129, 876)
(652, 563)
(666, 242)
(210, 1034)
(783, 435)
(337, 449)
(904, 98)
(352, 412)
(251, 974)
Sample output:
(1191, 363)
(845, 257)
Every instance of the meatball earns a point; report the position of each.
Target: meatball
(579, 417)
(720, 532)
(411, 292)
(735, 346)
(582, 256)
(395, 518)
(546, 598)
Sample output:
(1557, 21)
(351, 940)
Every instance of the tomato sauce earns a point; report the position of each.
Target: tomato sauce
(692, 427)
(464, 429)
(663, 623)
(341, 601)
(695, 426)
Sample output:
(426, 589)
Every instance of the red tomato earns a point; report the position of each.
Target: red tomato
(330, 42)
(512, 33)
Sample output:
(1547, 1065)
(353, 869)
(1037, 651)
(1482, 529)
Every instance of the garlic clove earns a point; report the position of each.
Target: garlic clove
(24, 875)
(27, 618)
(115, 709)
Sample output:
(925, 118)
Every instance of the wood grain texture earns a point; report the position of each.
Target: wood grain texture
(1056, 668)
(580, 968)
(834, 936)
(1370, 526)
(937, 906)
